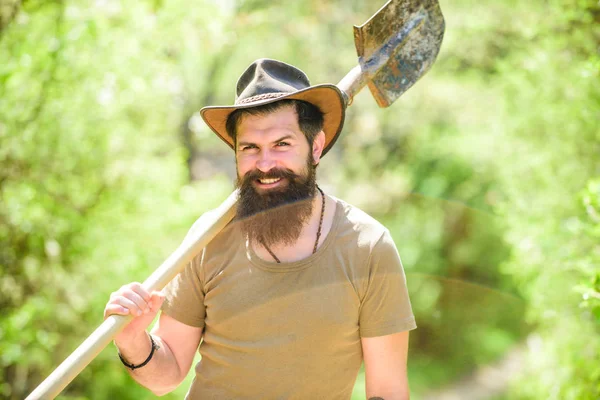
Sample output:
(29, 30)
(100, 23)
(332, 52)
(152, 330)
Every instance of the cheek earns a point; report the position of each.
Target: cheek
(242, 166)
(295, 158)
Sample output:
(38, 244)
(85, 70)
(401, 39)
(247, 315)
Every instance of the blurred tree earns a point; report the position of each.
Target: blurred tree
(86, 164)
(549, 155)
(8, 12)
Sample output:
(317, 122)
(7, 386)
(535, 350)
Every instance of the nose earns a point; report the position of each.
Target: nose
(265, 161)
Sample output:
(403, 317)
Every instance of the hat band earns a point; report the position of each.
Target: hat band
(263, 96)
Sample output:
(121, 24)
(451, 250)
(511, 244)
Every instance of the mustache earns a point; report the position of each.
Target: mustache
(274, 173)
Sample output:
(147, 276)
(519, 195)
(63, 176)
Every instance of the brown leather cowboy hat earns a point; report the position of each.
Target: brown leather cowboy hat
(267, 81)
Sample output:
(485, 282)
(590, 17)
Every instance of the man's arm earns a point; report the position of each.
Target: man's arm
(176, 342)
(385, 360)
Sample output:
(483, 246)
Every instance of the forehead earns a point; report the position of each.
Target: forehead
(266, 126)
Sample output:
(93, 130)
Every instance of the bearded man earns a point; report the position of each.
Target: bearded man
(293, 295)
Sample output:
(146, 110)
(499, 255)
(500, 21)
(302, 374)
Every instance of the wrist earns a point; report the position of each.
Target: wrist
(132, 366)
(134, 346)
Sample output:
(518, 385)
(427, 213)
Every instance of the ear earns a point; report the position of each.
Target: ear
(318, 146)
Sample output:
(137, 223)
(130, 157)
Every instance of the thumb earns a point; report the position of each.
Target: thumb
(156, 300)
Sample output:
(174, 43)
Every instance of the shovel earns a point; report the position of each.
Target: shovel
(395, 47)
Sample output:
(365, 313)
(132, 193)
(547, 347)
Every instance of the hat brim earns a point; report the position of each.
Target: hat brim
(327, 97)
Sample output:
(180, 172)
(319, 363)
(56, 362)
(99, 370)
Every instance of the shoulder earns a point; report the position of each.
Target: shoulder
(356, 223)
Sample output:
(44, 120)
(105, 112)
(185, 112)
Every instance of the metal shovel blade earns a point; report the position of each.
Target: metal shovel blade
(398, 45)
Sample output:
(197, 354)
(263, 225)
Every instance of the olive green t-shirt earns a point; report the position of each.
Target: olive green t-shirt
(291, 330)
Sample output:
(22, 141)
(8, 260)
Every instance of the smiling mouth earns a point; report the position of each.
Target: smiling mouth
(268, 181)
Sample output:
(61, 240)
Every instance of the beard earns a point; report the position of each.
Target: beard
(276, 216)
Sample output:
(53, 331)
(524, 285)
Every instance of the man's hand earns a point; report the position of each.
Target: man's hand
(176, 342)
(133, 299)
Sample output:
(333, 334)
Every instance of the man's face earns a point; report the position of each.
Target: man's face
(272, 142)
(276, 175)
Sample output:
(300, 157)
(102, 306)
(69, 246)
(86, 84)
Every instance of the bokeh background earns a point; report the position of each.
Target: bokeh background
(487, 172)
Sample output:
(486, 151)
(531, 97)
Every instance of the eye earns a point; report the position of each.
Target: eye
(248, 147)
(282, 144)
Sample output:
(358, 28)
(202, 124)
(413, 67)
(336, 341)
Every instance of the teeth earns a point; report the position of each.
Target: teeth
(269, 181)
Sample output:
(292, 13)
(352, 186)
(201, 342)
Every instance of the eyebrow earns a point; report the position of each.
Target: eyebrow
(285, 137)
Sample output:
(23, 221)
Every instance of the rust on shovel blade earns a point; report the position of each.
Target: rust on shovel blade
(398, 45)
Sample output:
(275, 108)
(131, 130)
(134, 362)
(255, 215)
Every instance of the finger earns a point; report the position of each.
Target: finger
(140, 290)
(134, 287)
(156, 301)
(131, 305)
(112, 309)
(142, 303)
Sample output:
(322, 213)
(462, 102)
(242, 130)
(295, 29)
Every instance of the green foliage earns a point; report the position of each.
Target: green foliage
(551, 228)
(89, 157)
(485, 172)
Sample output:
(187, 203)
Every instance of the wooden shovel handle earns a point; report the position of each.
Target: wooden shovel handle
(352, 83)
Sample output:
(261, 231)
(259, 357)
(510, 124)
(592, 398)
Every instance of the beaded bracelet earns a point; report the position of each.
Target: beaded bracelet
(131, 366)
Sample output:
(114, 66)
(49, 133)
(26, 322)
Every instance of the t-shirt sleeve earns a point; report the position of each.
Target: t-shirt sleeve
(385, 308)
(184, 297)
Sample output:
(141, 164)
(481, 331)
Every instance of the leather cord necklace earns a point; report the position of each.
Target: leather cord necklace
(318, 230)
